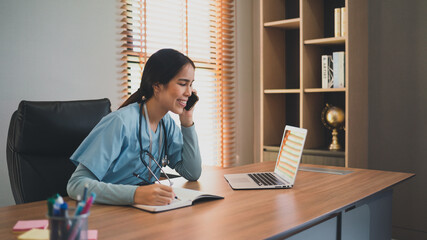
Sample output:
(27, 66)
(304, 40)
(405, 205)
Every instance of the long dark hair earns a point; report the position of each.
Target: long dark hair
(160, 68)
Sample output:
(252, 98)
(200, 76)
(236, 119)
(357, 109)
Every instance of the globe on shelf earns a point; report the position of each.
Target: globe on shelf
(333, 118)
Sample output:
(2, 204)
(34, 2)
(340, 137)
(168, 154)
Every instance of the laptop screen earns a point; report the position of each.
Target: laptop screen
(290, 153)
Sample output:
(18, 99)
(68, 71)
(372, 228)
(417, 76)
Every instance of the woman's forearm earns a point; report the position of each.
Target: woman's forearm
(106, 193)
(191, 165)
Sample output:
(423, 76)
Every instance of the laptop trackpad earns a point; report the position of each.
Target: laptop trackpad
(242, 180)
(239, 179)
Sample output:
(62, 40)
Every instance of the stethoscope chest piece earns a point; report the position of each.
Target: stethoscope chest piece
(165, 161)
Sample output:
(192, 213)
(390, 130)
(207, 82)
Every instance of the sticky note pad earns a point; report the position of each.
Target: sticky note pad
(92, 234)
(25, 225)
(35, 234)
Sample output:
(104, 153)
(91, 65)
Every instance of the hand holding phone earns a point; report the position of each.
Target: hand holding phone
(191, 101)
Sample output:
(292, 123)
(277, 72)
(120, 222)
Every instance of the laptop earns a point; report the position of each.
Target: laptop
(286, 167)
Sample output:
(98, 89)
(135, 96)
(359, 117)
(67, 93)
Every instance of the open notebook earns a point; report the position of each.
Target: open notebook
(285, 170)
(186, 197)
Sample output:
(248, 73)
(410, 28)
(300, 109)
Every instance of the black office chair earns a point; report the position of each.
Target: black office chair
(42, 137)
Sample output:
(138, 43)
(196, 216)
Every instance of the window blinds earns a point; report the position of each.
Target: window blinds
(203, 30)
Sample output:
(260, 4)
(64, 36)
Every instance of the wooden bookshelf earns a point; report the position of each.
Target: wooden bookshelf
(310, 156)
(293, 35)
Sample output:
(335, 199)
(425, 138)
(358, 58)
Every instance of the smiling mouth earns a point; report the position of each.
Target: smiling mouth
(182, 102)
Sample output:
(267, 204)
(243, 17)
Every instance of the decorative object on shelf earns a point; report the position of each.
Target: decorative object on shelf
(333, 118)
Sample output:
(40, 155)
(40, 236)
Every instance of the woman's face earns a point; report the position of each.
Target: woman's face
(174, 95)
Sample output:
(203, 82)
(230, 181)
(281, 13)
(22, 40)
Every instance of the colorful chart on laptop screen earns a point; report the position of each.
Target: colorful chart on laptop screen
(290, 153)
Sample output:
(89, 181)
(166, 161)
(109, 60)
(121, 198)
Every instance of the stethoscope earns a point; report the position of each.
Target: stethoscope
(164, 149)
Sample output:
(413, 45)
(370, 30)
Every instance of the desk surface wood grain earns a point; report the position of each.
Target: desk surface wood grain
(243, 214)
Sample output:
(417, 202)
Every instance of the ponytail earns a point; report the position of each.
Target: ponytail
(135, 97)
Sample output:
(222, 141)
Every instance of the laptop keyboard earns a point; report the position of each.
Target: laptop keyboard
(265, 179)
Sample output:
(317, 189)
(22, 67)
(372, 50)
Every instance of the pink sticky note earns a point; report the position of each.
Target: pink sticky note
(92, 234)
(25, 225)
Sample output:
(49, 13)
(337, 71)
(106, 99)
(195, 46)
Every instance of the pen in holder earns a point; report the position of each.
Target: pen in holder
(70, 226)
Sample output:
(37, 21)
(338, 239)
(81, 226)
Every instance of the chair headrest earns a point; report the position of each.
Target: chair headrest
(55, 127)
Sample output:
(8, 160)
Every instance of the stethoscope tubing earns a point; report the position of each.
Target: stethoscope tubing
(164, 151)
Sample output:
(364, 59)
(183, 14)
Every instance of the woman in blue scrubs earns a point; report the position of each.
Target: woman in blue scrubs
(121, 159)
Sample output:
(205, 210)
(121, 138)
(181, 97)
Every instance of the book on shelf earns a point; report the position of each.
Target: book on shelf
(338, 59)
(337, 22)
(343, 22)
(327, 71)
(185, 198)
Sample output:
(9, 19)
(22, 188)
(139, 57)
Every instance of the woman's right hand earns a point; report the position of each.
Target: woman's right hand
(154, 194)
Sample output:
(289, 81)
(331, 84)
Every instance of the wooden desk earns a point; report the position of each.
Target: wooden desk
(317, 199)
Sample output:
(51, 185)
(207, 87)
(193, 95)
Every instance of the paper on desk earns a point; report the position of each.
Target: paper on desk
(25, 225)
(35, 234)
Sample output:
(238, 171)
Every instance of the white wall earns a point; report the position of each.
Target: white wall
(55, 50)
(69, 50)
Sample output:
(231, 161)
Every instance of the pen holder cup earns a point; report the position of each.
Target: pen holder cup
(69, 227)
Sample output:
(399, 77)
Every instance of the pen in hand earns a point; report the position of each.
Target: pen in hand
(176, 197)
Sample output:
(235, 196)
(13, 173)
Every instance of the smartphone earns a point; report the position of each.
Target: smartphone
(191, 101)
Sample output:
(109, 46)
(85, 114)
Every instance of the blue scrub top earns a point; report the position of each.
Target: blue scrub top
(111, 150)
